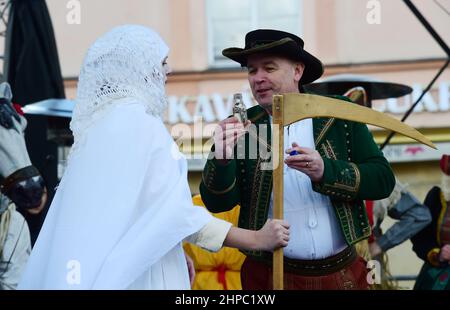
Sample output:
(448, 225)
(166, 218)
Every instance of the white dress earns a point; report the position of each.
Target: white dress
(120, 213)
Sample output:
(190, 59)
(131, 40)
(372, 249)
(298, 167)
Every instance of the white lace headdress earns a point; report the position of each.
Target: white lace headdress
(126, 62)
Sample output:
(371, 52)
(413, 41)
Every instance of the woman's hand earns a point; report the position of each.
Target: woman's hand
(273, 235)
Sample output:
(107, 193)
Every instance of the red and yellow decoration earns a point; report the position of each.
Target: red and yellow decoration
(221, 270)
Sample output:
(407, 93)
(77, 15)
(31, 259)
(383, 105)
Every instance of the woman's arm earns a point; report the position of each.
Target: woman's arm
(273, 235)
(218, 233)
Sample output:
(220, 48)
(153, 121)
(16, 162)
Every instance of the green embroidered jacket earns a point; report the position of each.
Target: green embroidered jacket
(355, 170)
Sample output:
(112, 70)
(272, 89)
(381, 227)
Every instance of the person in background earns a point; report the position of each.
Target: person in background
(432, 244)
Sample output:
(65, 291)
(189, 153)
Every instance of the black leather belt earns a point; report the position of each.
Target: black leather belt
(315, 267)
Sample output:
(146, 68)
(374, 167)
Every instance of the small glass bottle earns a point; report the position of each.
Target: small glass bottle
(239, 110)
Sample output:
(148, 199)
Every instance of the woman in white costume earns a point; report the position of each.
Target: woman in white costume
(123, 206)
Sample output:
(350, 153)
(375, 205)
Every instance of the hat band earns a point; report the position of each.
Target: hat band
(258, 43)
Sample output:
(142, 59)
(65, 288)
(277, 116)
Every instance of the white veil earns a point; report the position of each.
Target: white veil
(123, 202)
(124, 63)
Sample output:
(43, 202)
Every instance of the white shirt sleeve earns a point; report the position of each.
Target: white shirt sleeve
(211, 236)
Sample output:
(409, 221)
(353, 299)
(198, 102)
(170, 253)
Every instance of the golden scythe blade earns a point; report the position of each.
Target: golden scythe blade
(290, 108)
(301, 106)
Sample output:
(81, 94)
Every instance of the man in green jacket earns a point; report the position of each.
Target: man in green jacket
(331, 166)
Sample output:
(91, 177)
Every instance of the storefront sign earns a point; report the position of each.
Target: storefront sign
(216, 107)
(397, 153)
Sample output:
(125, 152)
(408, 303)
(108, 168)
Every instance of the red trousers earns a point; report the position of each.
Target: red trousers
(257, 275)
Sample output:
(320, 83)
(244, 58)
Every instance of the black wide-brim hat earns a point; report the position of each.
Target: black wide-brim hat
(275, 42)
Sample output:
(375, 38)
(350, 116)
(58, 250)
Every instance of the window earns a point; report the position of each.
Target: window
(230, 20)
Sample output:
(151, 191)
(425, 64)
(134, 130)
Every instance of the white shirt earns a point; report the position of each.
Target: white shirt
(314, 228)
